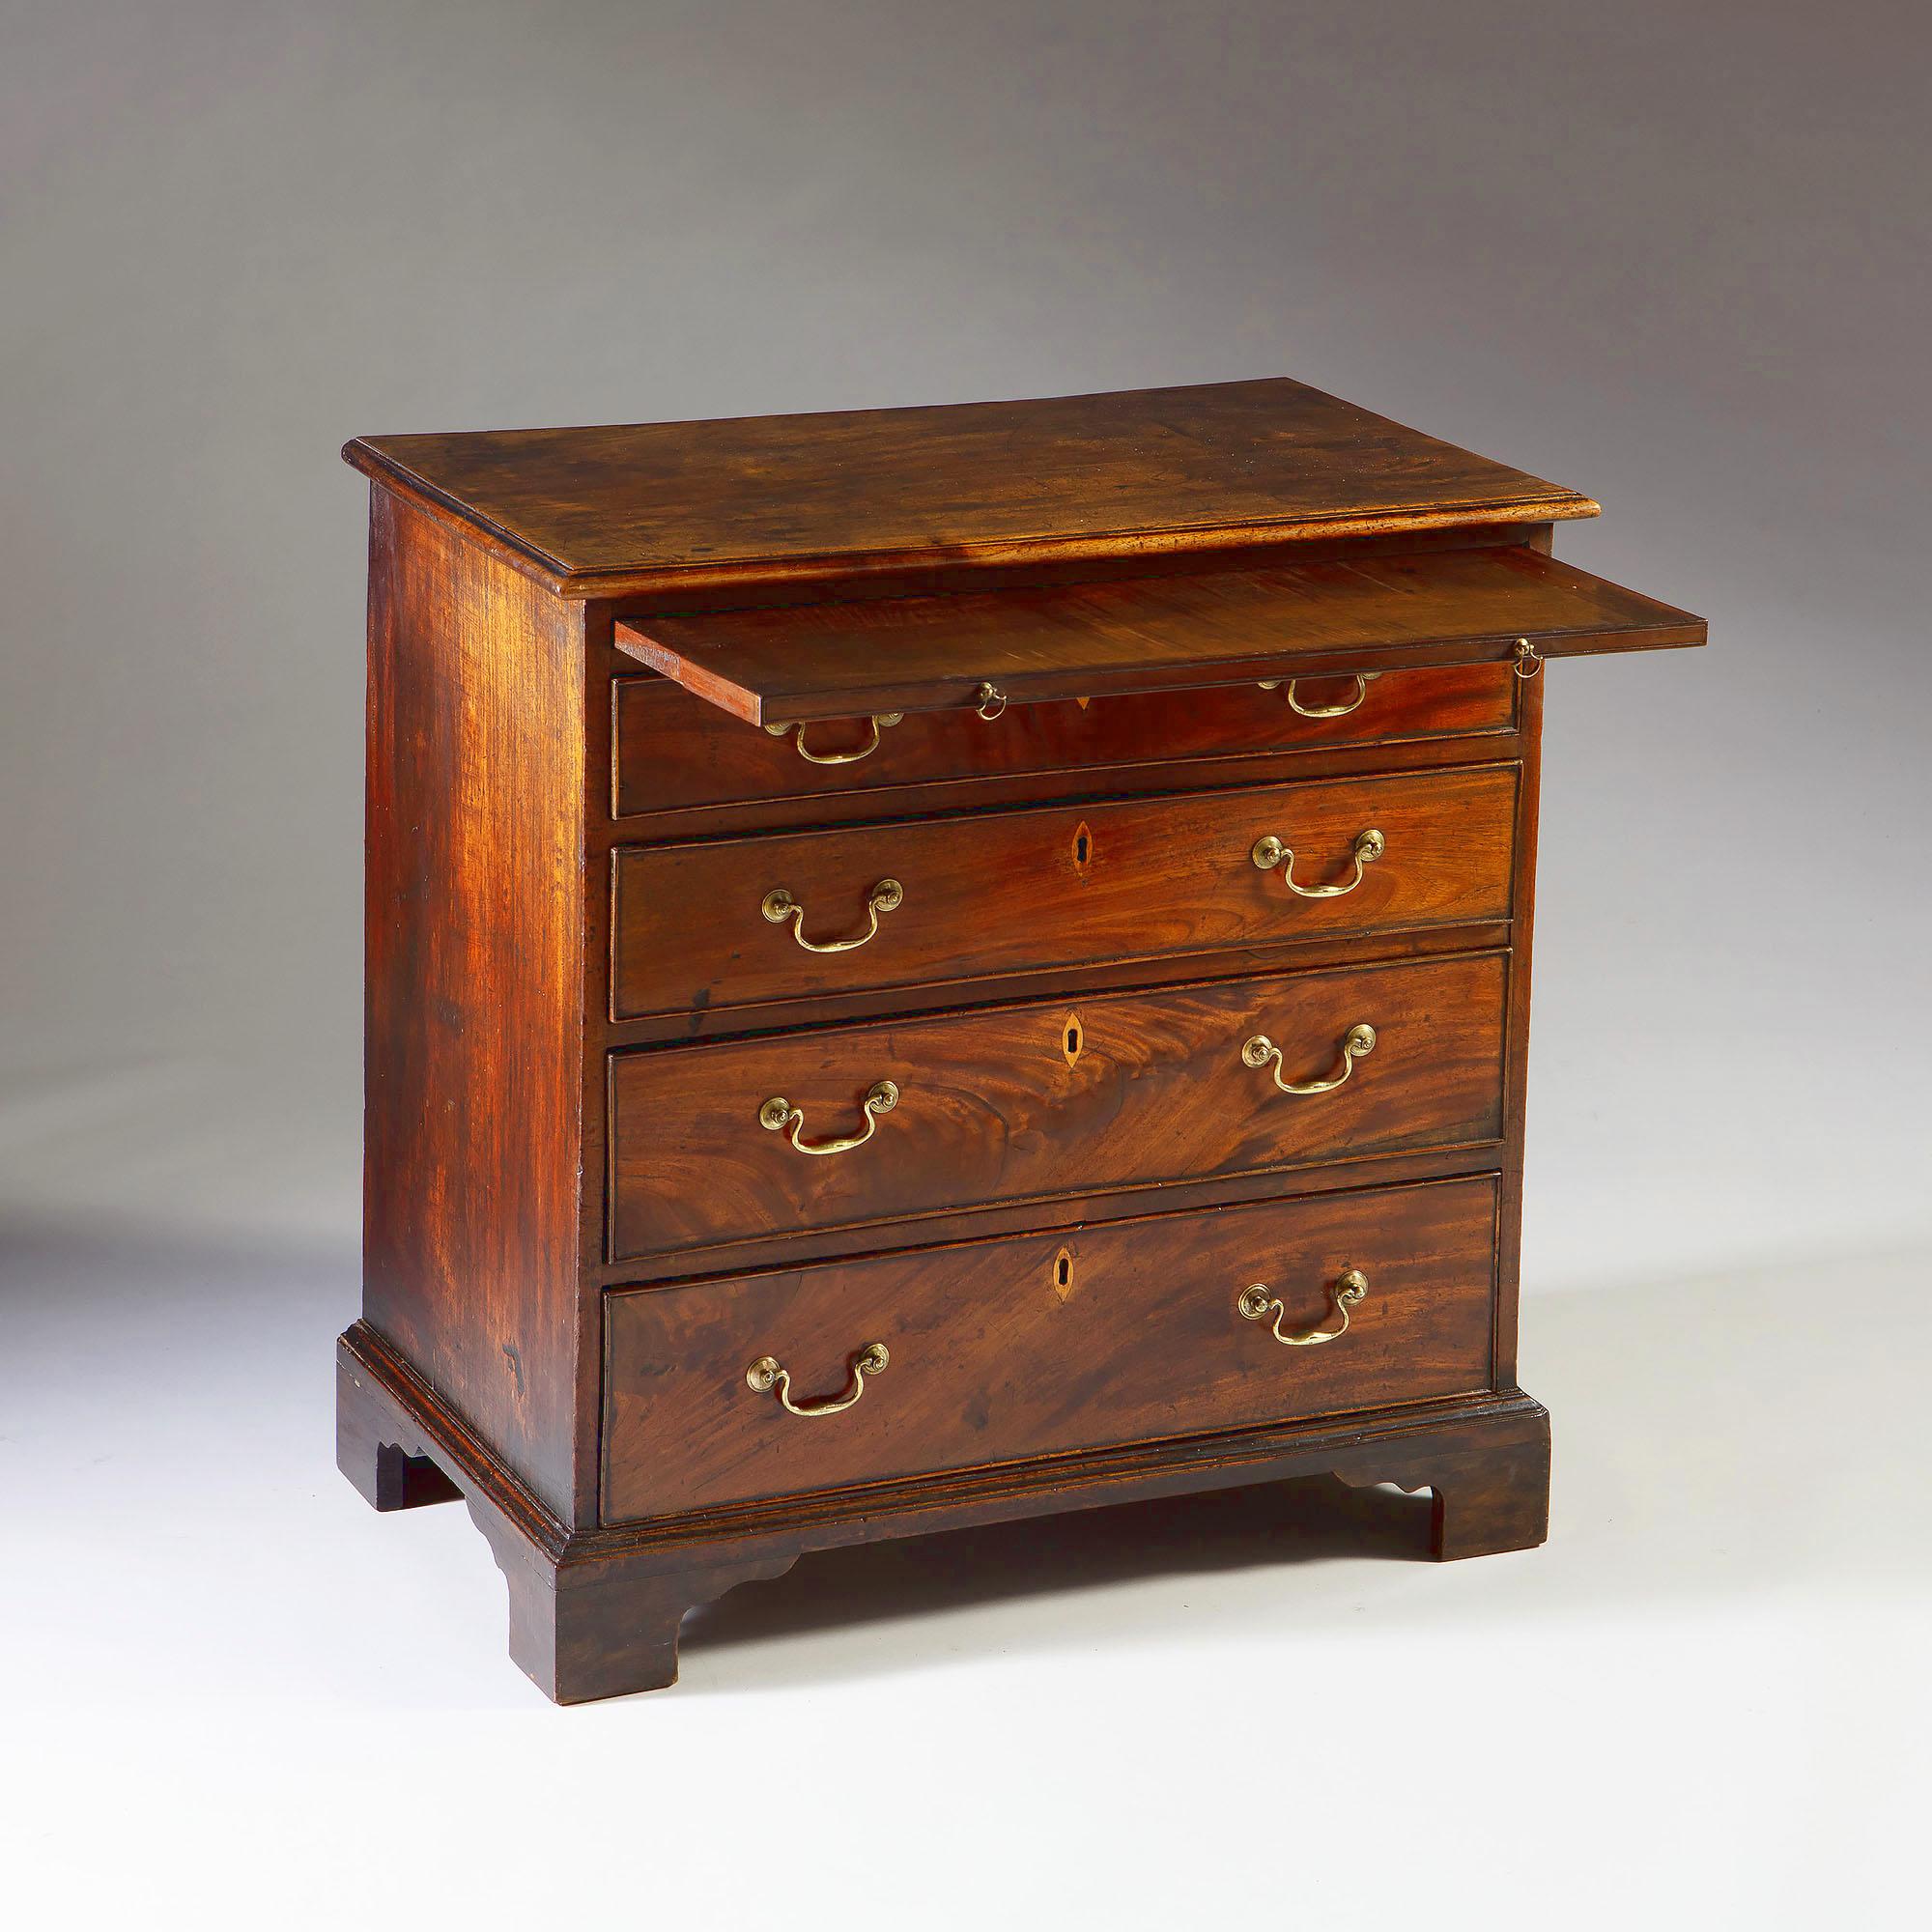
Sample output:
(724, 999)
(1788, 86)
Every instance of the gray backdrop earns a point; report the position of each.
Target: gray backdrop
(1673, 256)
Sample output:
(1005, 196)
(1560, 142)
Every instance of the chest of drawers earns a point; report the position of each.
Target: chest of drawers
(932, 966)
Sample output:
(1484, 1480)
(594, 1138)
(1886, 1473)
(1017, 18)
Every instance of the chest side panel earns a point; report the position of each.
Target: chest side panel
(473, 993)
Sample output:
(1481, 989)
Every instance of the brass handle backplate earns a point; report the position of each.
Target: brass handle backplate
(1258, 1302)
(864, 751)
(1270, 852)
(780, 1117)
(1358, 1041)
(768, 1373)
(779, 906)
(1363, 679)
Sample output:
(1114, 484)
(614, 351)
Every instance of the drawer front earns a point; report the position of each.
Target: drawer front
(719, 924)
(674, 751)
(1076, 1339)
(1026, 1102)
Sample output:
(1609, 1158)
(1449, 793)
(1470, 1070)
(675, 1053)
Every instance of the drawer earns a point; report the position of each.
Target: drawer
(733, 922)
(672, 750)
(1076, 1339)
(1029, 1101)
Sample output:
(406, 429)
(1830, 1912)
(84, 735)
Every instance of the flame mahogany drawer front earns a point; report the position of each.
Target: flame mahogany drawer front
(672, 750)
(1069, 1339)
(929, 967)
(978, 894)
(1115, 1090)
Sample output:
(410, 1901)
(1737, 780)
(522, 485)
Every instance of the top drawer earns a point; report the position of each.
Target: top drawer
(672, 751)
(743, 921)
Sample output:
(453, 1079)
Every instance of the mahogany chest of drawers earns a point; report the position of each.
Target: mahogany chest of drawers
(936, 965)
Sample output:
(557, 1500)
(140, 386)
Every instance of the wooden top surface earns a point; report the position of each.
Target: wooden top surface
(790, 663)
(607, 511)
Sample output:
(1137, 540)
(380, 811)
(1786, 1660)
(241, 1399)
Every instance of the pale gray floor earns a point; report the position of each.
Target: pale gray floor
(1708, 1689)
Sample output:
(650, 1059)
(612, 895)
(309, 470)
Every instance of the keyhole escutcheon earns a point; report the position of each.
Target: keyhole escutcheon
(1083, 844)
(1062, 1274)
(1071, 1039)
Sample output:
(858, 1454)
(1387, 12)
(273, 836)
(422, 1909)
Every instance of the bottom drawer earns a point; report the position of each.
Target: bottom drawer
(1077, 1339)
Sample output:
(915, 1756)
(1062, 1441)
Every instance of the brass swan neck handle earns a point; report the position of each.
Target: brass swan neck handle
(1258, 1302)
(812, 757)
(779, 1117)
(1362, 680)
(1269, 852)
(768, 1373)
(779, 906)
(1355, 1044)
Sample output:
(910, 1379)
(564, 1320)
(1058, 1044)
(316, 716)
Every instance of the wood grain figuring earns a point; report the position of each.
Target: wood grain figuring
(473, 1011)
(611, 510)
(1007, 892)
(991, 1361)
(991, 1108)
(674, 751)
(1148, 633)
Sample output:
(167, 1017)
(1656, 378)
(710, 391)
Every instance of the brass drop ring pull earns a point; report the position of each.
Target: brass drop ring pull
(864, 751)
(989, 701)
(1257, 1304)
(778, 905)
(779, 1116)
(1363, 679)
(768, 1373)
(1270, 852)
(1357, 1043)
(1528, 662)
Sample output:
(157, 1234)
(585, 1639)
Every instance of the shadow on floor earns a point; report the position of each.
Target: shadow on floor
(1267, 1524)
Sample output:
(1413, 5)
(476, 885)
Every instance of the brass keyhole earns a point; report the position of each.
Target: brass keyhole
(1071, 1039)
(1062, 1274)
(1082, 845)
